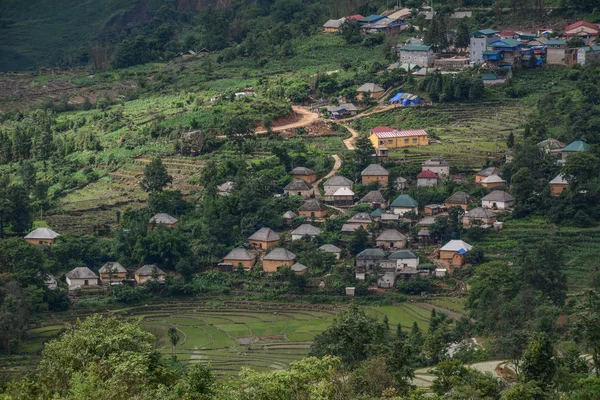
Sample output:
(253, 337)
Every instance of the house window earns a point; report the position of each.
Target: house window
(299, 193)
(415, 141)
(405, 141)
(382, 142)
(390, 141)
(41, 242)
(86, 283)
(391, 244)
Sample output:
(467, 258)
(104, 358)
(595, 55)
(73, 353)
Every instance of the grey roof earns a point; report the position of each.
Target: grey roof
(375, 170)
(480, 212)
(299, 267)
(390, 235)
(374, 196)
(343, 191)
(408, 270)
(163, 218)
(313, 205)
(559, 179)
(361, 218)
(338, 180)
(289, 215)
(265, 234)
(306, 229)
(42, 233)
(349, 228)
(426, 221)
(390, 217)
(490, 171)
(280, 254)
(343, 106)
(112, 267)
(403, 254)
(460, 198)
(498, 195)
(149, 270)
(435, 161)
(81, 273)
(297, 185)
(552, 144)
(370, 87)
(493, 179)
(456, 245)
(330, 248)
(239, 254)
(371, 254)
(334, 23)
(225, 187)
(302, 171)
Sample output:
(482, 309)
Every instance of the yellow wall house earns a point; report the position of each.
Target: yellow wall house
(388, 138)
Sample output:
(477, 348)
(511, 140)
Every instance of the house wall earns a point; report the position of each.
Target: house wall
(374, 95)
(458, 260)
(382, 179)
(153, 225)
(398, 142)
(270, 266)
(343, 201)
(47, 242)
(468, 222)
(479, 178)
(427, 182)
(557, 188)
(298, 237)
(303, 193)
(404, 210)
(446, 255)
(330, 190)
(245, 263)
(313, 214)
(143, 279)
(561, 56)
(498, 205)
(493, 185)
(387, 280)
(463, 206)
(77, 283)
(406, 262)
(306, 178)
(367, 263)
(331, 30)
(384, 244)
(587, 56)
(421, 58)
(115, 276)
(441, 170)
(479, 45)
(261, 244)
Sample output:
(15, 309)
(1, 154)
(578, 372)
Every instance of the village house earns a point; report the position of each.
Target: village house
(504, 52)
(479, 43)
(486, 172)
(264, 238)
(81, 277)
(404, 204)
(278, 257)
(149, 272)
(50, 281)
(498, 200)
(417, 54)
(355, 17)
(305, 230)
(384, 25)
(225, 188)
(375, 173)
(162, 219)
(299, 269)
(552, 146)
(390, 219)
(112, 271)
(589, 54)
(366, 260)
(306, 174)
(582, 29)
(333, 249)
(459, 199)
(434, 209)
(348, 229)
(371, 19)
(391, 239)
(558, 185)
(387, 277)
(454, 252)
(375, 199)
(388, 138)
(341, 111)
(437, 165)
(313, 208)
(400, 183)
(44, 236)
(377, 213)
(482, 217)
(427, 178)
(333, 184)
(333, 25)
(288, 217)
(493, 182)
(371, 89)
(401, 14)
(406, 100)
(575, 147)
(240, 256)
(404, 263)
(557, 53)
(298, 187)
(343, 197)
(360, 219)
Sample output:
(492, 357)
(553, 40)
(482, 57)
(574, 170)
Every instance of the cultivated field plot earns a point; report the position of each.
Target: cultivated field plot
(469, 134)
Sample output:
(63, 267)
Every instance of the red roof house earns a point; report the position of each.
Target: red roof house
(427, 174)
(582, 29)
(355, 17)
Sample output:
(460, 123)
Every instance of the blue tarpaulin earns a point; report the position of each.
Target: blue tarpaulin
(397, 98)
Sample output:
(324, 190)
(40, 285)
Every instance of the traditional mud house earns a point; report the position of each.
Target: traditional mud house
(391, 239)
(404, 204)
(81, 277)
(305, 230)
(375, 199)
(459, 199)
(498, 200)
(149, 272)
(370, 89)
(348, 229)
(343, 197)
(437, 165)
(313, 208)
(482, 217)
(333, 249)
(428, 178)
(299, 269)
(306, 174)
(225, 188)
(278, 257)
(575, 147)
(557, 53)
(493, 182)
(375, 173)
(288, 217)
(240, 256)
(479, 43)
(45, 236)
(582, 29)
(112, 271)
(162, 219)
(361, 219)
(333, 25)
(388, 138)
(333, 184)
(552, 146)
(558, 185)
(264, 238)
(377, 213)
(454, 252)
(434, 209)
(298, 187)
(486, 172)
(389, 219)
(588, 54)
(417, 54)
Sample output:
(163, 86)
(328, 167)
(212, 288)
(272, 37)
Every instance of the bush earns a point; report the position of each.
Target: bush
(413, 286)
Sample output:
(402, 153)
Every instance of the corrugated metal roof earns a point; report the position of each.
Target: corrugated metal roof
(382, 133)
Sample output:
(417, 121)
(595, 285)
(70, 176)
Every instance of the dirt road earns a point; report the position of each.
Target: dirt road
(349, 143)
(304, 118)
(336, 167)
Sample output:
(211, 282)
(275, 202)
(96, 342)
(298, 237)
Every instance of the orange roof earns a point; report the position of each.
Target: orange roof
(355, 17)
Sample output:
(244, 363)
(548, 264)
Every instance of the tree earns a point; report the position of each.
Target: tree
(156, 176)
(23, 261)
(523, 185)
(510, 141)
(364, 151)
(587, 321)
(350, 30)
(358, 241)
(463, 36)
(238, 130)
(580, 169)
(538, 360)
(173, 337)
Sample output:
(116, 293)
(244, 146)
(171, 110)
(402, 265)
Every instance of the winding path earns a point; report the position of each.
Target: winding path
(336, 167)
(349, 143)
(306, 118)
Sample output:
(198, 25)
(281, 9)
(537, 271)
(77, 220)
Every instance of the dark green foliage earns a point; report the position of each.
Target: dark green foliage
(448, 88)
(156, 176)
(538, 360)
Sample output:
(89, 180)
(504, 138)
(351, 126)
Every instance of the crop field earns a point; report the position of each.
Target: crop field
(469, 134)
